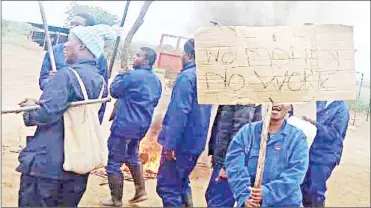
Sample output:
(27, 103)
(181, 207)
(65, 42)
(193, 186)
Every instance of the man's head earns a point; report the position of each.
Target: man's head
(145, 57)
(189, 52)
(280, 111)
(75, 50)
(87, 43)
(82, 19)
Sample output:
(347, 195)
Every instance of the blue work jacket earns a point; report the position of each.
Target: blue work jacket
(286, 164)
(186, 122)
(60, 63)
(138, 92)
(332, 124)
(43, 155)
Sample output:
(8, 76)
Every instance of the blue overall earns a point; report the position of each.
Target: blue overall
(286, 163)
(60, 63)
(228, 121)
(43, 180)
(326, 150)
(218, 193)
(184, 130)
(138, 93)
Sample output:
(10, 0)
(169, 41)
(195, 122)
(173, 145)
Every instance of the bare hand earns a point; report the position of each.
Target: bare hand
(251, 203)
(222, 175)
(28, 102)
(170, 155)
(256, 195)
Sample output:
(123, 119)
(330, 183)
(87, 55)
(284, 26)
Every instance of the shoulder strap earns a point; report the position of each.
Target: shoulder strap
(101, 91)
(82, 85)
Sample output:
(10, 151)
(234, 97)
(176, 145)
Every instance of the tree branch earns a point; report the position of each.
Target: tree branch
(138, 22)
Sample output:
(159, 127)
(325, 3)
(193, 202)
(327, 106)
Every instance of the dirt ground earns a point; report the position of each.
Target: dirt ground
(349, 184)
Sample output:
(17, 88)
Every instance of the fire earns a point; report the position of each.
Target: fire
(149, 152)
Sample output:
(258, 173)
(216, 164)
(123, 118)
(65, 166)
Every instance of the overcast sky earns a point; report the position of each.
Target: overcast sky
(176, 17)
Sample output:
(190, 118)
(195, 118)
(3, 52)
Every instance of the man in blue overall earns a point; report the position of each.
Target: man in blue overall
(325, 151)
(229, 119)
(286, 162)
(183, 135)
(138, 92)
(46, 73)
(44, 183)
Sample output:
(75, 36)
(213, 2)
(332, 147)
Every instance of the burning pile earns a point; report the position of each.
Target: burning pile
(149, 152)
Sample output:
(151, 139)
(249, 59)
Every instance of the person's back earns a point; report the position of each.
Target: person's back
(326, 150)
(190, 137)
(228, 121)
(136, 102)
(183, 135)
(332, 123)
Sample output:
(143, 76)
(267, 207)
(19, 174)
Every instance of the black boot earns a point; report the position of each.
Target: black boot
(140, 190)
(187, 200)
(116, 186)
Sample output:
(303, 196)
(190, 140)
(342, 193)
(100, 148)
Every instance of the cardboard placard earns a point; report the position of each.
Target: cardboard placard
(244, 65)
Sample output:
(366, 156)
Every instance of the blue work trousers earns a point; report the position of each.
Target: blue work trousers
(218, 193)
(314, 185)
(46, 192)
(122, 150)
(173, 179)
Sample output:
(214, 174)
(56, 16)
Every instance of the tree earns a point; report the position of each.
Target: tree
(138, 22)
(102, 16)
(125, 49)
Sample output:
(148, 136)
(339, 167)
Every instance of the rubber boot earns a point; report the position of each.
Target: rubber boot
(140, 190)
(116, 186)
(187, 200)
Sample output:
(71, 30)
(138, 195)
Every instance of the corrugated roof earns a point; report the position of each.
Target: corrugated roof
(51, 28)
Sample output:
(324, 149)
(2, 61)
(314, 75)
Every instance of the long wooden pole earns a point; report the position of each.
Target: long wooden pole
(267, 112)
(118, 40)
(72, 104)
(47, 37)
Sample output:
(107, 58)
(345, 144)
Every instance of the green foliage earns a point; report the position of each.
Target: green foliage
(363, 103)
(102, 16)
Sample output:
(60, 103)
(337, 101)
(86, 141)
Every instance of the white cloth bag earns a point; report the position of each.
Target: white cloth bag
(85, 149)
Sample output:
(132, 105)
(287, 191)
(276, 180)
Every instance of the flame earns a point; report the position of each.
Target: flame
(150, 150)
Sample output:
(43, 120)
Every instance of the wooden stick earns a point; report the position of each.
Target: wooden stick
(47, 37)
(263, 144)
(118, 40)
(72, 104)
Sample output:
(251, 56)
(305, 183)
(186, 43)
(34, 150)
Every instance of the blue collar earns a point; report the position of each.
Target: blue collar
(190, 65)
(143, 67)
(88, 62)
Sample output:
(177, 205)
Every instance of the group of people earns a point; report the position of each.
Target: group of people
(294, 174)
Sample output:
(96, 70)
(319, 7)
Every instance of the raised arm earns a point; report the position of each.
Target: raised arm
(120, 84)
